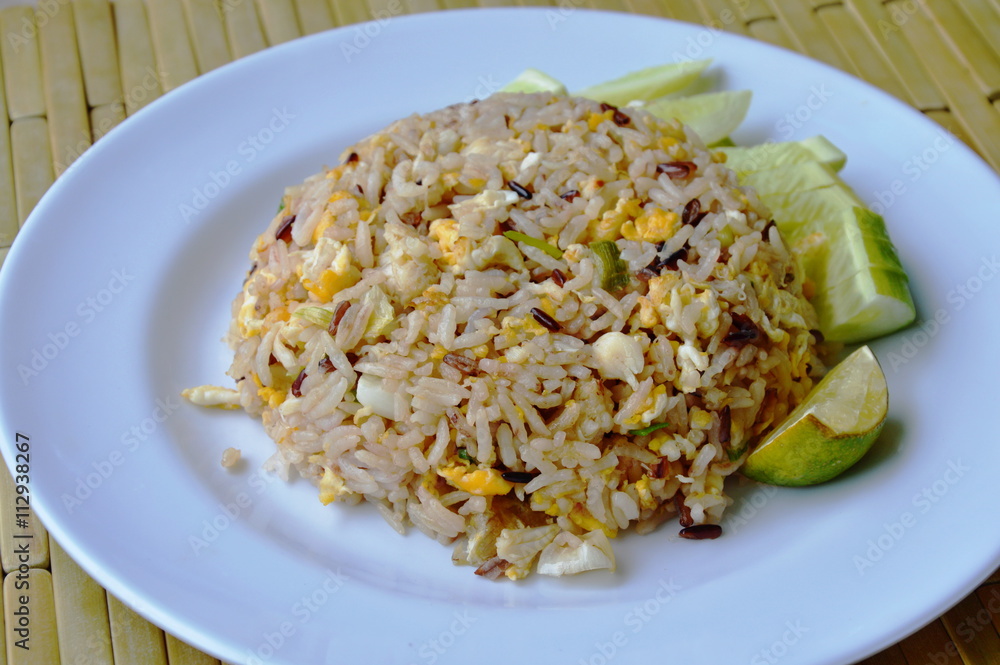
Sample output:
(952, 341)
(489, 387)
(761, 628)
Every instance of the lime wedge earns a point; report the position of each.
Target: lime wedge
(750, 159)
(646, 84)
(867, 304)
(713, 115)
(830, 431)
(534, 80)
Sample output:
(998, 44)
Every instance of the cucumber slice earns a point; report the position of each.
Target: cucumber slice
(646, 84)
(765, 156)
(791, 178)
(534, 80)
(713, 116)
(869, 304)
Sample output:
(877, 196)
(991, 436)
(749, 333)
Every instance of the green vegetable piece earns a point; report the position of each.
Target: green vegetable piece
(648, 430)
(613, 272)
(281, 206)
(646, 84)
(713, 116)
(534, 80)
(317, 315)
(463, 454)
(552, 251)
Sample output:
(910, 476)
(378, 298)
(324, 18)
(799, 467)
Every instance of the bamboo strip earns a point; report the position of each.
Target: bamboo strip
(98, 54)
(649, 8)
(931, 641)
(279, 20)
(208, 36)
(512, 3)
(968, 43)
(21, 62)
(721, 15)
(987, 21)
(883, 28)
(32, 590)
(66, 103)
(243, 28)
(141, 81)
(467, 4)
(349, 13)
(171, 44)
(948, 121)
(31, 156)
(3, 613)
(972, 110)
(891, 656)
(685, 11)
(105, 118)
(23, 538)
(808, 34)
(8, 207)
(135, 640)
(754, 10)
(419, 6)
(989, 596)
(179, 653)
(977, 642)
(866, 60)
(81, 611)
(603, 5)
(771, 31)
(314, 16)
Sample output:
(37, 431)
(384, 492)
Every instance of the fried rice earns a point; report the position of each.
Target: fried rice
(524, 325)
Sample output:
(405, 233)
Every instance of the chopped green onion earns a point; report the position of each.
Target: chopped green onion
(552, 251)
(464, 455)
(735, 453)
(610, 267)
(317, 315)
(281, 206)
(648, 430)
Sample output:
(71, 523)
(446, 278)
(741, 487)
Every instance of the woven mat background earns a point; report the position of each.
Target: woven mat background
(73, 69)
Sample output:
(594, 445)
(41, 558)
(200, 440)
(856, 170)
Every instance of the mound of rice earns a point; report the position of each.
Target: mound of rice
(402, 346)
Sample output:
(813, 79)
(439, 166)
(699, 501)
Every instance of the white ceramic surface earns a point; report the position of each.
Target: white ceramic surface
(121, 282)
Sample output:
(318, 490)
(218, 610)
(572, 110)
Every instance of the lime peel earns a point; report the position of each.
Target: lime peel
(830, 431)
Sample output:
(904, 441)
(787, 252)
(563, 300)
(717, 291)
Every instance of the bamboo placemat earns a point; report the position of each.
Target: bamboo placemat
(73, 69)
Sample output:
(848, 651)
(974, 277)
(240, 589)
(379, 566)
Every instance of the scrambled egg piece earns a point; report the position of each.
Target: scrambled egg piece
(609, 226)
(273, 397)
(581, 517)
(652, 407)
(646, 500)
(481, 482)
(331, 487)
(654, 226)
(342, 274)
(215, 396)
(595, 119)
(454, 249)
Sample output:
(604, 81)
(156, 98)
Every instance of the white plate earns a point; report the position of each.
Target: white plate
(121, 282)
